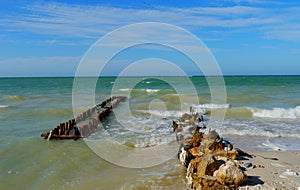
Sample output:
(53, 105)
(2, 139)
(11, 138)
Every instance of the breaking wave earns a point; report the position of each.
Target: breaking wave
(166, 114)
(152, 90)
(143, 90)
(4, 106)
(213, 106)
(277, 113)
(272, 113)
(125, 89)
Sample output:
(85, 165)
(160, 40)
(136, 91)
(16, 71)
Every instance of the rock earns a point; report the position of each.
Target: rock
(196, 140)
(192, 169)
(184, 156)
(207, 183)
(215, 145)
(208, 146)
(243, 154)
(213, 135)
(195, 151)
(206, 156)
(248, 164)
(227, 154)
(211, 144)
(208, 165)
(227, 145)
(205, 144)
(194, 163)
(189, 175)
(174, 125)
(230, 174)
(258, 166)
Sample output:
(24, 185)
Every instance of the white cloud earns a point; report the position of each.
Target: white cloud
(223, 11)
(91, 22)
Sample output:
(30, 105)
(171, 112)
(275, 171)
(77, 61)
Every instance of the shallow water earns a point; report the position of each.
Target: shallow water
(262, 113)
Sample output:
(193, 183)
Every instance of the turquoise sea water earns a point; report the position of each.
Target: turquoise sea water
(262, 113)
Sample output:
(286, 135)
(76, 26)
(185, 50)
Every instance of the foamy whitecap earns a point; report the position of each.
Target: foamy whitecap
(125, 89)
(4, 106)
(166, 114)
(277, 113)
(213, 106)
(147, 90)
(152, 90)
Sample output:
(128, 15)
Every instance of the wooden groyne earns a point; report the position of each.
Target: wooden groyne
(85, 123)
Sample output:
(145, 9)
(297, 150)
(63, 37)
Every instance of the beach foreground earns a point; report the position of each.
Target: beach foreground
(212, 162)
(273, 170)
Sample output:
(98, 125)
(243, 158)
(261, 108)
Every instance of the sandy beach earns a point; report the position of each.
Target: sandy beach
(273, 170)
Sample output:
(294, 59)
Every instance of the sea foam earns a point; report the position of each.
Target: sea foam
(147, 90)
(125, 89)
(213, 106)
(277, 113)
(152, 90)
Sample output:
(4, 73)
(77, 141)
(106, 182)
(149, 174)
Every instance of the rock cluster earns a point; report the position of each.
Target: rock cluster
(210, 160)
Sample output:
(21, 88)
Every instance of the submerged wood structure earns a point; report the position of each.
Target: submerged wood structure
(85, 123)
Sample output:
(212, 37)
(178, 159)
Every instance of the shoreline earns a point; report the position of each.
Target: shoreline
(273, 170)
(213, 162)
(257, 144)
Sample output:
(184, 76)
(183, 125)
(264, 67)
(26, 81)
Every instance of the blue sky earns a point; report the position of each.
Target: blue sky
(48, 38)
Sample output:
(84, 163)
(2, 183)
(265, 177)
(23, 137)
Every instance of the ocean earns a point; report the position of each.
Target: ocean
(262, 113)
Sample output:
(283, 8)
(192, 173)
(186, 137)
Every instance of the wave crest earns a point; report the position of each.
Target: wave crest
(277, 113)
(213, 106)
(141, 90)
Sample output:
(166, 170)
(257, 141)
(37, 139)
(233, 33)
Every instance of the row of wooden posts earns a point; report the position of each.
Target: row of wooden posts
(73, 129)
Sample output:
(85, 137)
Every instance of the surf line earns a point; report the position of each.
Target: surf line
(85, 123)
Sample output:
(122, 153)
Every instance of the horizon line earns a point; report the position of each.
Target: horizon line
(231, 75)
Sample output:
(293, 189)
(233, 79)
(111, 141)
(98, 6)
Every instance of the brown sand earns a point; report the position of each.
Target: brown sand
(273, 170)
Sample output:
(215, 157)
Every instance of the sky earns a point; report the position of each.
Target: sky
(246, 37)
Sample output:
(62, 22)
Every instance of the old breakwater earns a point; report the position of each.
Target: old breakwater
(85, 123)
(210, 161)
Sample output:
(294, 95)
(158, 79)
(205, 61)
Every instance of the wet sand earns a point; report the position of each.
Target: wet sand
(273, 170)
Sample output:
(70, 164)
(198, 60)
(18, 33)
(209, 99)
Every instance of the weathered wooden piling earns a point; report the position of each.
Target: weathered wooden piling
(78, 126)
